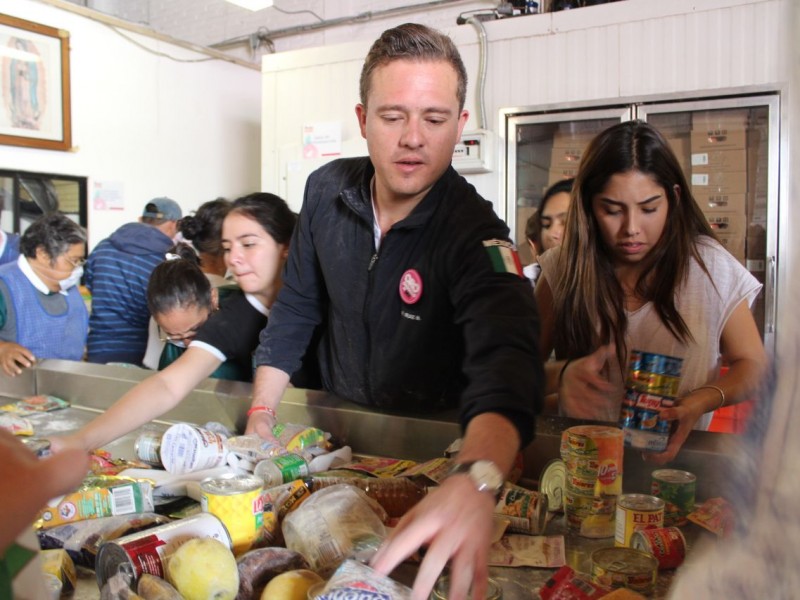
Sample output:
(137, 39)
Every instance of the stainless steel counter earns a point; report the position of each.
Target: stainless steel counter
(93, 388)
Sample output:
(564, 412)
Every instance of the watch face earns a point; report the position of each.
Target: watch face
(486, 475)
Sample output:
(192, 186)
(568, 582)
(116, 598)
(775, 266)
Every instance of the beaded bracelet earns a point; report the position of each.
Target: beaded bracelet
(266, 409)
(714, 387)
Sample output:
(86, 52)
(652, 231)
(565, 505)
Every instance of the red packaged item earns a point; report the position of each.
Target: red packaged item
(566, 584)
(716, 515)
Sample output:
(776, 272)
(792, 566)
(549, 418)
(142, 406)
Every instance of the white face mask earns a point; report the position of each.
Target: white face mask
(178, 343)
(73, 279)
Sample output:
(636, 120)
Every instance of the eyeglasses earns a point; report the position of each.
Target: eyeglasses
(180, 337)
(75, 262)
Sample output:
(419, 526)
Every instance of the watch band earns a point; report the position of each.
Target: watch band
(495, 488)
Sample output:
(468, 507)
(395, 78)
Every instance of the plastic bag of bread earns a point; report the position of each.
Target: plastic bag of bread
(334, 524)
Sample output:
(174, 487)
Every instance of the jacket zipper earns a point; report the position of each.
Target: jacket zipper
(367, 301)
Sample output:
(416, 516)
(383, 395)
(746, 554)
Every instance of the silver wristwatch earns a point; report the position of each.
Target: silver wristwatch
(486, 476)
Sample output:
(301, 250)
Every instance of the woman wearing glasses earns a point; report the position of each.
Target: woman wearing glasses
(255, 238)
(181, 298)
(42, 313)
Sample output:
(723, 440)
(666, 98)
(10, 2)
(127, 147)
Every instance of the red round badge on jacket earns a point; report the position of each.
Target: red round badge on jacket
(410, 287)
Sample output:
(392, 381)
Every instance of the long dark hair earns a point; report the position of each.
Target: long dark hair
(589, 300)
(204, 227)
(269, 211)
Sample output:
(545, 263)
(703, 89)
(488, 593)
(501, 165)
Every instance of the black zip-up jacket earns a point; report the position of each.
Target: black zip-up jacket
(469, 340)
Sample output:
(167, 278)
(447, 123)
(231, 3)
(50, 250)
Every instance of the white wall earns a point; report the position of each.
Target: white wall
(155, 126)
(624, 50)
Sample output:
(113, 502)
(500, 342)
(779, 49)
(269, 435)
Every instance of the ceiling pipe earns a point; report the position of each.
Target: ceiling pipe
(360, 18)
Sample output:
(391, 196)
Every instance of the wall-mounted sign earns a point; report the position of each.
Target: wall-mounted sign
(322, 139)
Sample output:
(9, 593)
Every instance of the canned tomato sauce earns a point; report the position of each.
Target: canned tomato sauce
(625, 567)
(635, 512)
(145, 551)
(667, 545)
(236, 501)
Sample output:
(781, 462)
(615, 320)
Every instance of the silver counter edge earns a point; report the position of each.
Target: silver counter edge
(367, 431)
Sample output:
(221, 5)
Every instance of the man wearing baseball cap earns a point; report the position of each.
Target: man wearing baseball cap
(117, 273)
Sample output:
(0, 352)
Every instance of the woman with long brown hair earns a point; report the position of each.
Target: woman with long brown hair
(640, 269)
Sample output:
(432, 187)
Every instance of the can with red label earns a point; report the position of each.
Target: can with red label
(635, 512)
(667, 544)
(146, 551)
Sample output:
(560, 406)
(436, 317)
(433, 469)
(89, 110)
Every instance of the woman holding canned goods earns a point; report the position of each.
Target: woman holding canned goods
(640, 269)
(255, 239)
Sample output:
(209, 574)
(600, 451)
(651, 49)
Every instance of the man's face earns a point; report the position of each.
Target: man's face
(411, 123)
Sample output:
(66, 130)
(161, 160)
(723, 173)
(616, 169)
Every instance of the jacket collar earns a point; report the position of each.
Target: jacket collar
(358, 198)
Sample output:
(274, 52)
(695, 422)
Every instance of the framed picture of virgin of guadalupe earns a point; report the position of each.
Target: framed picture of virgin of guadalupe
(34, 73)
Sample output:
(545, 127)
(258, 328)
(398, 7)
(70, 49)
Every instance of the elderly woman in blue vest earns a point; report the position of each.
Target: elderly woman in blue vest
(9, 247)
(42, 314)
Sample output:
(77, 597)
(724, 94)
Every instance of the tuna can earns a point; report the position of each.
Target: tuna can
(146, 551)
(236, 501)
(635, 512)
(526, 509)
(667, 545)
(552, 483)
(625, 567)
(147, 447)
(441, 590)
(677, 489)
(186, 448)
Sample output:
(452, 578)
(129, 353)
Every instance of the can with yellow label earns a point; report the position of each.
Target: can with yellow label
(236, 501)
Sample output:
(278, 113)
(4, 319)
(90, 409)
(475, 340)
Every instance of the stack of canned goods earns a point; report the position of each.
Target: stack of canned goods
(592, 456)
(652, 383)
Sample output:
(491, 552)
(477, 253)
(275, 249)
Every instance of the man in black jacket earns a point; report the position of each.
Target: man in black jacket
(419, 295)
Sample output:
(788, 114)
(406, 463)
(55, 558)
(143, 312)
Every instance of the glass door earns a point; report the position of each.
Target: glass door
(543, 148)
(729, 150)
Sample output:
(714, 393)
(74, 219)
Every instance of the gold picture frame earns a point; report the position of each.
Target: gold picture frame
(35, 92)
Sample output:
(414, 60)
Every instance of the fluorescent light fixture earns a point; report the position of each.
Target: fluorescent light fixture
(253, 4)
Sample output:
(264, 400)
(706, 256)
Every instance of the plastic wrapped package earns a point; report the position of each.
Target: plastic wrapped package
(332, 525)
(355, 580)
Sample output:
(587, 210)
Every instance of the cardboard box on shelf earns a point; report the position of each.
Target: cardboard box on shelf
(715, 119)
(718, 182)
(720, 160)
(575, 137)
(681, 146)
(727, 222)
(566, 156)
(713, 203)
(555, 175)
(718, 139)
(734, 243)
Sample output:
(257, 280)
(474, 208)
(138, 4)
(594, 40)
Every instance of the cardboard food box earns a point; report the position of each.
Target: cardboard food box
(720, 160)
(711, 202)
(566, 157)
(681, 147)
(721, 138)
(718, 182)
(556, 175)
(714, 119)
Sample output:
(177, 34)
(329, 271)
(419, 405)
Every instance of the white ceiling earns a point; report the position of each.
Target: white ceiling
(288, 25)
